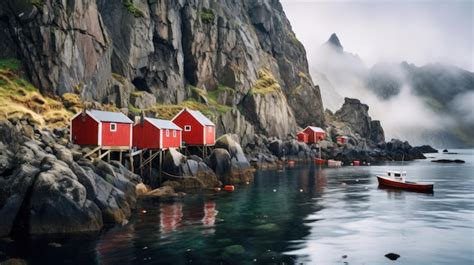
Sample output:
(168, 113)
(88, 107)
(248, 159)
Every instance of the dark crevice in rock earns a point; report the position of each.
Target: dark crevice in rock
(140, 84)
(190, 64)
(21, 224)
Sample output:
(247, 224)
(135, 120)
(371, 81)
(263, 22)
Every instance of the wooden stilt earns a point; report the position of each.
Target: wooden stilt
(160, 165)
(120, 157)
(108, 157)
(131, 162)
(141, 164)
(100, 153)
(150, 163)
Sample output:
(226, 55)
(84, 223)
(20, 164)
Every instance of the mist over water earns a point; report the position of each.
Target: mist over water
(375, 41)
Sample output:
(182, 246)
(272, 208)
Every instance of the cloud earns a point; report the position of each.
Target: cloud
(420, 32)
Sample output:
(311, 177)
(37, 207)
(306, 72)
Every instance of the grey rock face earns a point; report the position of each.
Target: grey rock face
(234, 122)
(162, 47)
(63, 47)
(277, 38)
(376, 132)
(270, 113)
(143, 100)
(355, 113)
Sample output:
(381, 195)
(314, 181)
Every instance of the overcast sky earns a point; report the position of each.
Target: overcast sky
(419, 32)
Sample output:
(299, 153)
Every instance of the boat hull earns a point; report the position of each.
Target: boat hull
(387, 182)
(319, 161)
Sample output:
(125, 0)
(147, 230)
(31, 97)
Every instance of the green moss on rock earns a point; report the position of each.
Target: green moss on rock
(135, 11)
(266, 83)
(207, 16)
(10, 64)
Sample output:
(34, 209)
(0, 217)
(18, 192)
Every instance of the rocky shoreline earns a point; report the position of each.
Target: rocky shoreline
(48, 187)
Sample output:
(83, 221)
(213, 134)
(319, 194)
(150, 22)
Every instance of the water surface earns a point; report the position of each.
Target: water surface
(306, 214)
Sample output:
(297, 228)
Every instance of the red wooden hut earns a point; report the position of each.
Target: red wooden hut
(156, 134)
(197, 128)
(101, 128)
(302, 137)
(342, 139)
(315, 134)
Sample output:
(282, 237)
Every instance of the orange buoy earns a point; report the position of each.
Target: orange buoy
(319, 161)
(291, 162)
(229, 187)
(356, 163)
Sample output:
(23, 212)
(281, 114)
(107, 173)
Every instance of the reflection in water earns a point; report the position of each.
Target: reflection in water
(210, 213)
(170, 216)
(305, 214)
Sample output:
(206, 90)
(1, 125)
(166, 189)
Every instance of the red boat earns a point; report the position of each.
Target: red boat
(396, 179)
(319, 161)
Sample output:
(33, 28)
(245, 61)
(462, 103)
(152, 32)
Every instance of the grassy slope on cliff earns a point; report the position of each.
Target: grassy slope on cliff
(18, 98)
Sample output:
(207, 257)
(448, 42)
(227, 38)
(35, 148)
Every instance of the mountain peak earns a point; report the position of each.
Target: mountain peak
(334, 42)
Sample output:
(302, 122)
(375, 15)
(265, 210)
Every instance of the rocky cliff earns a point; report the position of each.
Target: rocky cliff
(355, 114)
(115, 51)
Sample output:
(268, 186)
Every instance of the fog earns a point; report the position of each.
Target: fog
(416, 31)
(391, 32)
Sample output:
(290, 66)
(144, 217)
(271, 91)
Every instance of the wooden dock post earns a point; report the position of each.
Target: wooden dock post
(150, 163)
(131, 161)
(160, 165)
(141, 163)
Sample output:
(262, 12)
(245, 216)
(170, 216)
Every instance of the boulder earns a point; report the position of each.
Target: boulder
(188, 173)
(425, 149)
(164, 191)
(13, 191)
(277, 148)
(142, 100)
(59, 203)
(229, 161)
(141, 189)
(220, 162)
(458, 161)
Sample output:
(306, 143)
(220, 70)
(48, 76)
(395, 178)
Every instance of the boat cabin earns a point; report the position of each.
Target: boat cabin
(397, 175)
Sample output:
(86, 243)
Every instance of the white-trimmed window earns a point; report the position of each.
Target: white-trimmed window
(113, 127)
(174, 133)
(209, 128)
(167, 132)
(187, 128)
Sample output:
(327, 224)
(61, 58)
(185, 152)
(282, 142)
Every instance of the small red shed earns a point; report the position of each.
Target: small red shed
(342, 139)
(302, 137)
(197, 128)
(156, 134)
(315, 134)
(101, 128)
